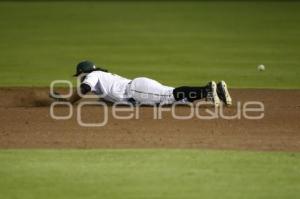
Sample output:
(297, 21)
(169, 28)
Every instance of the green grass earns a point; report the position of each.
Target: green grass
(72, 174)
(177, 43)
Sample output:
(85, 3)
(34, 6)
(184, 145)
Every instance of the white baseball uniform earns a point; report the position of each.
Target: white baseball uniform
(115, 88)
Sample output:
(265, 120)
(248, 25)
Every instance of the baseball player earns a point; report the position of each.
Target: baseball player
(141, 90)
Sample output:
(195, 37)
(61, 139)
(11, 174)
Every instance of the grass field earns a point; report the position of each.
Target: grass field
(71, 174)
(177, 43)
(174, 42)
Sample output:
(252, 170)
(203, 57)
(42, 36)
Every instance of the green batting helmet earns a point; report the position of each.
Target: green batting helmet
(84, 67)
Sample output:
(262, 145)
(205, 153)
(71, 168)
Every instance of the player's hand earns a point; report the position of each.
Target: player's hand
(56, 96)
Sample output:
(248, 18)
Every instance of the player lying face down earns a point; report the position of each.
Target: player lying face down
(142, 90)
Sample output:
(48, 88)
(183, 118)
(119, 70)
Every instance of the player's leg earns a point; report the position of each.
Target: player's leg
(148, 91)
(209, 92)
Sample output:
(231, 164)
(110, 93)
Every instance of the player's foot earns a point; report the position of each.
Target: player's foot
(223, 93)
(212, 94)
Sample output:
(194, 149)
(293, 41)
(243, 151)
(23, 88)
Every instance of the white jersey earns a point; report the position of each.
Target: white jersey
(109, 86)
(115, 88)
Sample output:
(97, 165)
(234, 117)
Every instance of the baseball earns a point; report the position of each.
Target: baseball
(261, 67)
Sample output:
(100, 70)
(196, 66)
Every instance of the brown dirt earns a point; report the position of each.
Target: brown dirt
(26, 123)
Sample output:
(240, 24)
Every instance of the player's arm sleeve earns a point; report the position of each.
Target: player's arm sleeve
(85, 88)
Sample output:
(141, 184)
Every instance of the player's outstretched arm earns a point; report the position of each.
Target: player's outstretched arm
(57, 97)
(84, 88)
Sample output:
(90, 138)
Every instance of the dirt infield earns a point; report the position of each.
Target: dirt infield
(26, 123)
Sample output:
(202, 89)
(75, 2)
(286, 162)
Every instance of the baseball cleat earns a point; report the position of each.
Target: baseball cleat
(212, 94)
(223, 93)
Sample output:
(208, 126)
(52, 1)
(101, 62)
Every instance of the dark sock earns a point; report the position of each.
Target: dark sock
(190, 93)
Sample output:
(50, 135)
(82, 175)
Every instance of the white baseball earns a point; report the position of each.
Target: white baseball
(261, 67)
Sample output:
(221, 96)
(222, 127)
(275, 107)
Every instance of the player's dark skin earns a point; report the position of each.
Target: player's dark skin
(74, 98)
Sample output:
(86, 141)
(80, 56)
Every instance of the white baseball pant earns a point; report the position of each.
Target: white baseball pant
(150, 92)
